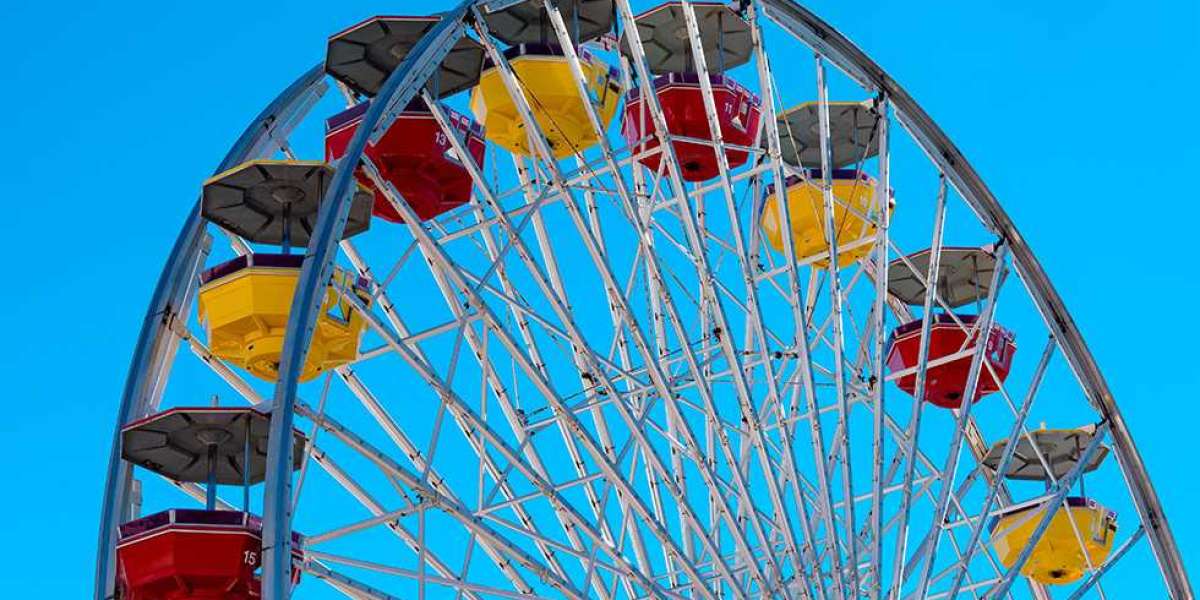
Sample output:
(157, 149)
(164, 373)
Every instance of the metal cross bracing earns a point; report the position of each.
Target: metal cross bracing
(597, 379)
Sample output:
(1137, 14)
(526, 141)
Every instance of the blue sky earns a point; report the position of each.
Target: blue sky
(1078, 115)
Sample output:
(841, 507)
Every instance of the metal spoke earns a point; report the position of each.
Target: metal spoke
(983, 329)
(918, 404)
(600, 377)
(1052, 507)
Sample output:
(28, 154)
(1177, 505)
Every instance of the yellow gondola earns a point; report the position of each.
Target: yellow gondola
(853, 211)
(245, 303)
(1058, 557)
(544, 74)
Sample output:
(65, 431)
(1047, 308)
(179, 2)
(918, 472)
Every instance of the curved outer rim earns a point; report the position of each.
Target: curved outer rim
(400, 87)
(833, 45)
(154, 349)
(155, 345)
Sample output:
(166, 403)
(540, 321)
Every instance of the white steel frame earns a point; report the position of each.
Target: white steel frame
(703, 441)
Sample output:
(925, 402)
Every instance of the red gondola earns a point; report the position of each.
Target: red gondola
(185, 554)
(738, 111)
(415, 156)
(946, 383)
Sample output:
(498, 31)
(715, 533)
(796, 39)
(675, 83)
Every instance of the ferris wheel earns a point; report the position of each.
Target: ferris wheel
(604, 299)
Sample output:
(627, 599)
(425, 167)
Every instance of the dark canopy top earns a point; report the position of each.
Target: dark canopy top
(852, 134)
(364, 55)
(724, 35)
(175, 443)
(964, 276)
(1062, 449)
(527, 22)
(256, 198)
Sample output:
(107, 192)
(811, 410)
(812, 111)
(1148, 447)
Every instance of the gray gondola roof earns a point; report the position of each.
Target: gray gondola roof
(253, 198)
(1062, 449)
(364, 55)
(174, 443)
(964, 276)
(853, 134)
(724, 35)
(527, 22)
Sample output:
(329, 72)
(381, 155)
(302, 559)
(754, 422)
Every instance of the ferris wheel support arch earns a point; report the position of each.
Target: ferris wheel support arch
(155, 346)
(937, 145)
